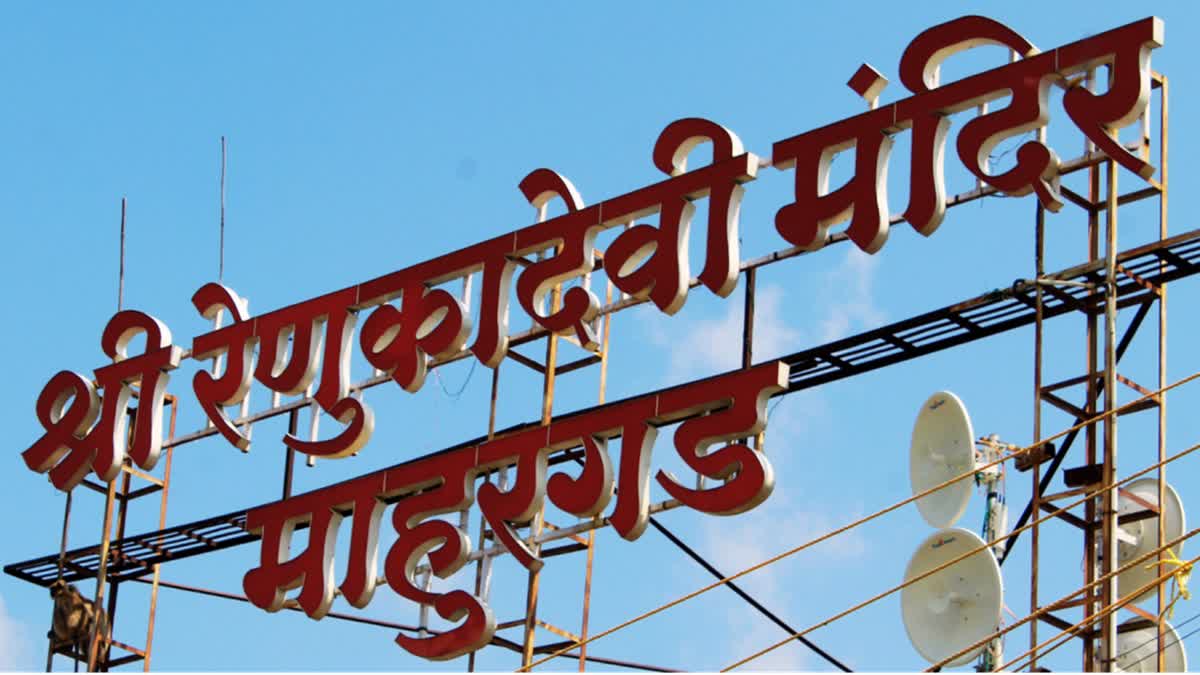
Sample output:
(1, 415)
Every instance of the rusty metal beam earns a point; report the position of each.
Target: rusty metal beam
(733, 586)
(1069, 439)
(496, 640)
(995, 312)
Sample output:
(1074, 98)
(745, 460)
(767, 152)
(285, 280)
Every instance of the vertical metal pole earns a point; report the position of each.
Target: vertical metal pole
(748, 320)
(221, 250)
(289, 462)
(102, 574)
(591, 535)
(121, 263)
(1162, 363)
(62, 548)
(535, 527)
(1089, 535)
(1035, 473)
(162, 523)
(491, 432)
(62, 556)
(110, 495)
(587, 598)
(604, 343)
(122, 513)
(1109, 519)
(748, 338)
(551, 364)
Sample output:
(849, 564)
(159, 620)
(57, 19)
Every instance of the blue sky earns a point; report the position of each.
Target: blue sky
(364, 139)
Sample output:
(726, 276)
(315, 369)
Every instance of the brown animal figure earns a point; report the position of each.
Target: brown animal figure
(74, 618)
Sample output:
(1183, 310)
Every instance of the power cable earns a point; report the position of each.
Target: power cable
(1155, 653)
(997, 155)
(1057, 460)
(733, 586)
(1155, 639)
(458, 394)
(1064, 636)
(1032, 615)
(776, 404)
(745, 596)
(872, 516)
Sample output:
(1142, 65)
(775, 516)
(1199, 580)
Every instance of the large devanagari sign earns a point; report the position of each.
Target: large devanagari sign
(445, 484)
(409, 322)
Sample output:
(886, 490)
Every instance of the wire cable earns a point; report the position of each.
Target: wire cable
(1155, 639)
(733, 586)
(1070, 632)
(437, 372)
(986, 546)
(1155, 653)
(1056, 604)
(774, 559)
(776, 404)
(865, 519)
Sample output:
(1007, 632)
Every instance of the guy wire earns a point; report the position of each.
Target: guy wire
(1155, 639)
(1069, 632)
(876, 514)
(973, 551)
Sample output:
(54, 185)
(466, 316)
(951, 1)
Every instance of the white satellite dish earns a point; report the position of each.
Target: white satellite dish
(1137, 651)
(955, 607)
(1141, 536)
(943, 446)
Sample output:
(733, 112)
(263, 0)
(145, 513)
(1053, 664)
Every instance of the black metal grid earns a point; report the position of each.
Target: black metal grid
(1143, 268)
(997, 312)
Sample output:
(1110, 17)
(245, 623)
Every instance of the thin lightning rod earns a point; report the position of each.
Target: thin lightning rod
(221, 252)
(121, 264)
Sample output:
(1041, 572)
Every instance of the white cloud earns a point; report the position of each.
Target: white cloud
(16, 648)
(773, 527)
(784, 521)
(803, 412)
(703, 346)
(849, 288)
(710, 345)
(787, 519)
(789, 658)
(767, 531)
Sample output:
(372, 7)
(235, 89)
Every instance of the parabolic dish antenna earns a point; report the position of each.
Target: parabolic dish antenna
(943, 446)
(1141, 536)
(955, 607)
(1137, 651)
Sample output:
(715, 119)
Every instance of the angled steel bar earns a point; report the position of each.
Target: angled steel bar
(227, 530)
(733, 586)
(1069, 439)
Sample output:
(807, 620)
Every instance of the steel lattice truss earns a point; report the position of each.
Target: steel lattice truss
(1142, 270)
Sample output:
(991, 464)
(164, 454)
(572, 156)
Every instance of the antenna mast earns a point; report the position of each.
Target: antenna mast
(221, 250)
